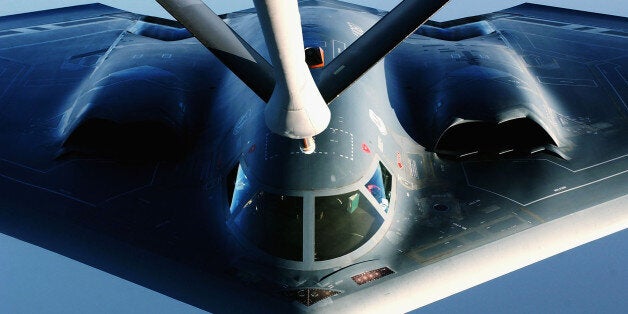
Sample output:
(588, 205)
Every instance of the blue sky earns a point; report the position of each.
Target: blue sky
(591, 278)
(455, 8)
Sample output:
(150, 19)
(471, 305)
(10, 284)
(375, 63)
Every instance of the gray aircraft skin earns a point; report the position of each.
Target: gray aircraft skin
(128, 146)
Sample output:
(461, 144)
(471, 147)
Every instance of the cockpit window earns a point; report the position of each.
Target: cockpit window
(380, 186)
(342, 224)
(242, 190)
(274, 223)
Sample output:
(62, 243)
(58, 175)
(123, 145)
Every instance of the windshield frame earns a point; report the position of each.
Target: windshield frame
(309, 198)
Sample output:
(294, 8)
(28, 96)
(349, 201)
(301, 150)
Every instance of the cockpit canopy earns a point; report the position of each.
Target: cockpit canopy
(280, 224)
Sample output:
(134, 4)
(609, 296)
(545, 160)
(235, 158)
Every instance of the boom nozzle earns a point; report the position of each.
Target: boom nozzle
(308, 146)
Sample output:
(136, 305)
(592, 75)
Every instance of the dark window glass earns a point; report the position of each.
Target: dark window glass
(242, 191)
(380, 186)
(274, 223)
(343, 223)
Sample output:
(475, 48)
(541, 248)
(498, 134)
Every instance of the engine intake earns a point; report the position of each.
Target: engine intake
(520, 135)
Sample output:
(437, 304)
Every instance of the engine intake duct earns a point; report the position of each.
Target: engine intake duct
(457, 32)
(136, 114)
(471, 100)
(522, 136)
(172, 32)
(133, 141)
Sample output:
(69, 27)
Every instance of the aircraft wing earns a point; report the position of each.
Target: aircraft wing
(578, 62)
(102, 112)
(62, 73)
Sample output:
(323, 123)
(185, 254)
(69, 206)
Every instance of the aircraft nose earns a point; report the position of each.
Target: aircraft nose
(307, 227)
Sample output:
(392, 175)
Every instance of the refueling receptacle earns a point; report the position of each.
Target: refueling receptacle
(308, 146)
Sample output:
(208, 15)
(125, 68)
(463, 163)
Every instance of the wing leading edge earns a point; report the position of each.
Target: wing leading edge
(588, 201)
